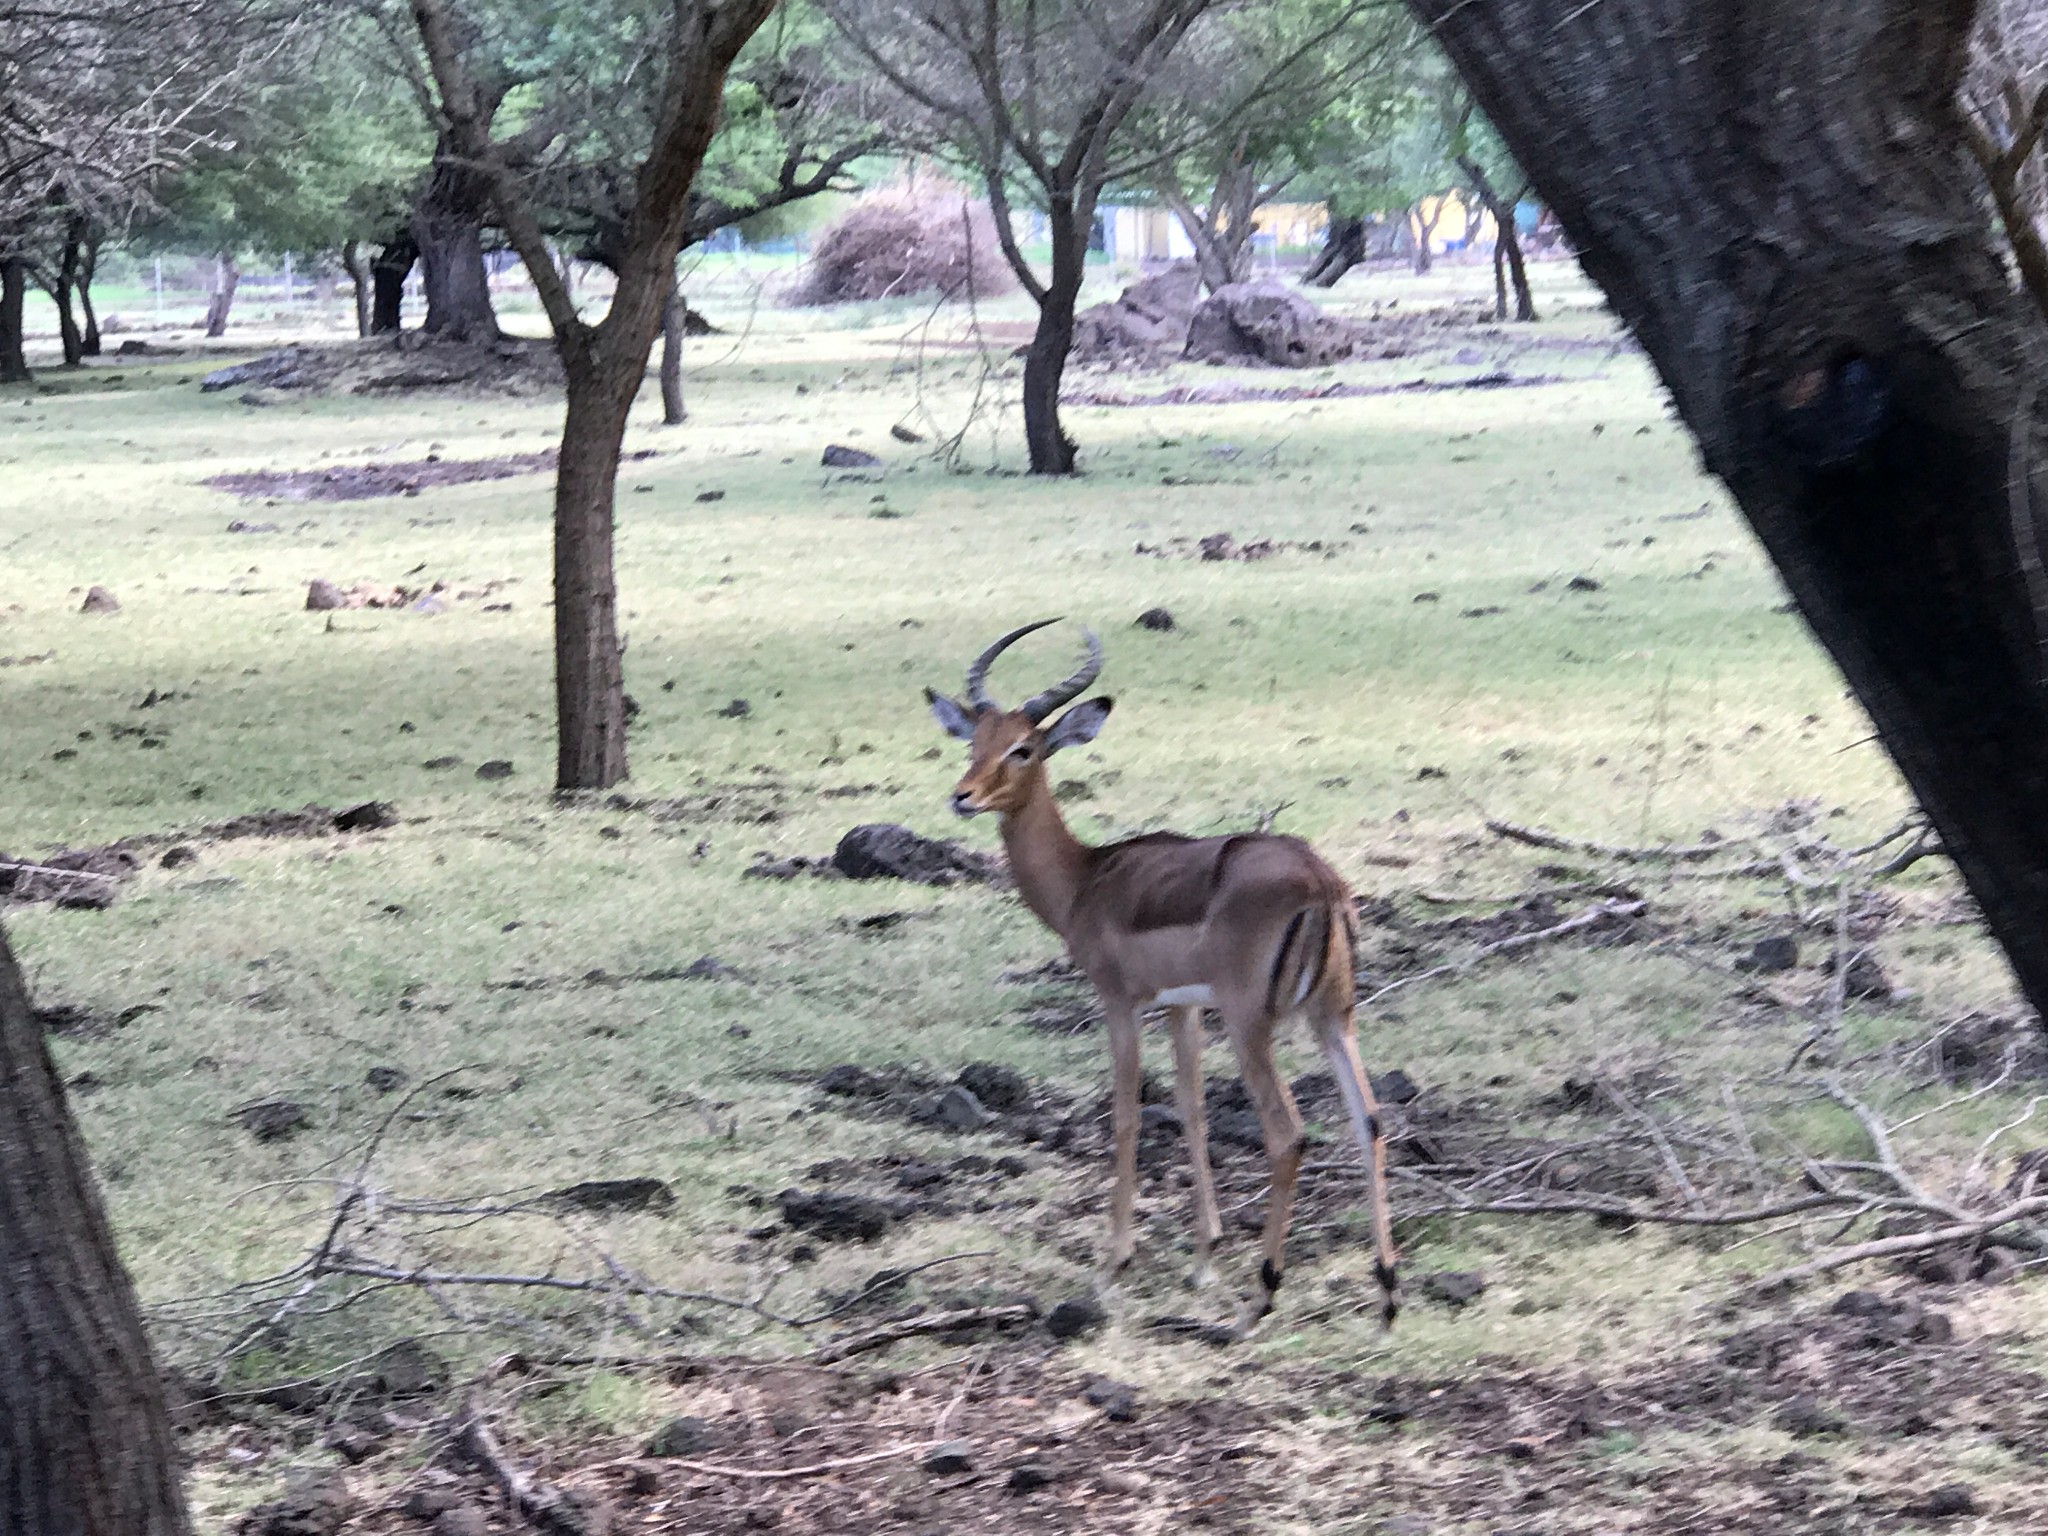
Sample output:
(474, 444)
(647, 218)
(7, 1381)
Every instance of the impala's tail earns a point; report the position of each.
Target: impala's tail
(1301, 961)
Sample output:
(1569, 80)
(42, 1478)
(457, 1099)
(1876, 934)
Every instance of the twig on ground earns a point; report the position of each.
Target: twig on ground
(542, 1503)
(815, 1469)
(911, 1327)
(1606, 911)
(1910, 1242)
(1537, 837)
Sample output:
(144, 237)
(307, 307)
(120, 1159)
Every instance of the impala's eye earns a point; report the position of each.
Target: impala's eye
(1021, 753)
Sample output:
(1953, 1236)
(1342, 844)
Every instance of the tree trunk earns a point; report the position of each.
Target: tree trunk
(1051, 450)
(226, 277)
(448, 229)
(1507, 245)
(1221, 233)
(85, 1434)
(61, 292)
(589, 679)
(387, 284)
(88, 269)
(1425, 235)
(1821, 293)
(13, 293)
(1343, 249)
(674, 322)
(359, 279)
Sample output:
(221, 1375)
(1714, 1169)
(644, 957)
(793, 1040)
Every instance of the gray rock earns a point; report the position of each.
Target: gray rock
(1075, 1316)
(839, 456)
(946, 1460)
(322, 594)
(959, 1110)
(686, 1436)
(100, 600)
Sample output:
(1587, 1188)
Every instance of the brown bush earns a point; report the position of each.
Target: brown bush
(928, 238)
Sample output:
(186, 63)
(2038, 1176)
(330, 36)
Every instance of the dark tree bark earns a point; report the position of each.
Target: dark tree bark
(1343, 249)
(674, 322)
(1506, 242)
(85, 1434)
(226, 278)
(605, 363)
(88, 270)
(1051, 451)
(393, 264)
(61, 290)
(13, 294)
(1779, 203)
(448, 230)
(360, 281)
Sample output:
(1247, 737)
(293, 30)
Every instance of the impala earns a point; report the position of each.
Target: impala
(1254, 926)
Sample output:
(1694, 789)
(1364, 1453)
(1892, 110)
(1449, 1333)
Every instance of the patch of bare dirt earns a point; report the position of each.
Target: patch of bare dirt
(1239, 394)
(402, 363)
(365, 482)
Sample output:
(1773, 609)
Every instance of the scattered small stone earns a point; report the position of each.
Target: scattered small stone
(1944, 1503)
(959, 1109)
(1866, 979)
(1075, 1316)
(1157, 619)
(1028, 1478)
(386, 1079)
(738, 709)
(436, 764)
(496, 768)
(685, 1436)
(1456, 1288)
(851, 1082)
(904, 434)
(462, 1520)
(1582, 584)
(1395, 1087)
(370, 816)
(239, 526)
(997, 1086)
(618, 1195)
(273, 1119)
(319, 1506)
(429, 605)
(1427, 597)
(177, 857)
(950, 1458)
(425, 1503)
(711, 495)
(322, 594)
(839, 456)
(1118, 1400)
(353, 1443)
(1126, 1482)
(1803, 1416)
(837, 1218)
(100, 600)
(1770, 955)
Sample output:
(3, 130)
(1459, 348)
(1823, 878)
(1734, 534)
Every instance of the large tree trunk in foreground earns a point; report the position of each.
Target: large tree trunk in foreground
(448, 228)
(1343, 249)
(61, 292)
(388, 273)
(1045, 440)
(13, 294)
(1778, 201)
(85, 1436)
(226, 278)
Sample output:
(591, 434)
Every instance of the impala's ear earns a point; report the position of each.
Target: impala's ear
(952, 717)
(1077, 725)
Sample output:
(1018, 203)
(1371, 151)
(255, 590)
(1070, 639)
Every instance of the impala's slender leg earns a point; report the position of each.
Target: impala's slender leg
(1194, 1122)
(1123, 1115)
(1340, 1047)
(1281, 1122)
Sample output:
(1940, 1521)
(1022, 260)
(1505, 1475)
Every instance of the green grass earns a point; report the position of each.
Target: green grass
(1312, 688)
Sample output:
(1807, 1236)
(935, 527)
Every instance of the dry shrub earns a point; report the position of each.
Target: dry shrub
(927, 237)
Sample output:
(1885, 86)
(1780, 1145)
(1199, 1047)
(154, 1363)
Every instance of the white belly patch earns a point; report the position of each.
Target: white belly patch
(1197, 995)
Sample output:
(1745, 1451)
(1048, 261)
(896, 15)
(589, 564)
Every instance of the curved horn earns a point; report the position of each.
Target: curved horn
(1038, 706)
(977, 672)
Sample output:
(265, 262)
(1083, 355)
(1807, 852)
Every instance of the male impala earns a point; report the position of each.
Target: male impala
(1255, 926)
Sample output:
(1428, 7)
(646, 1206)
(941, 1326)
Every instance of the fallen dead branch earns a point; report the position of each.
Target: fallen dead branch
(912, 1327)
(815, 1469)
(1905, 1243)
(543, 1504)
(1593, 917)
